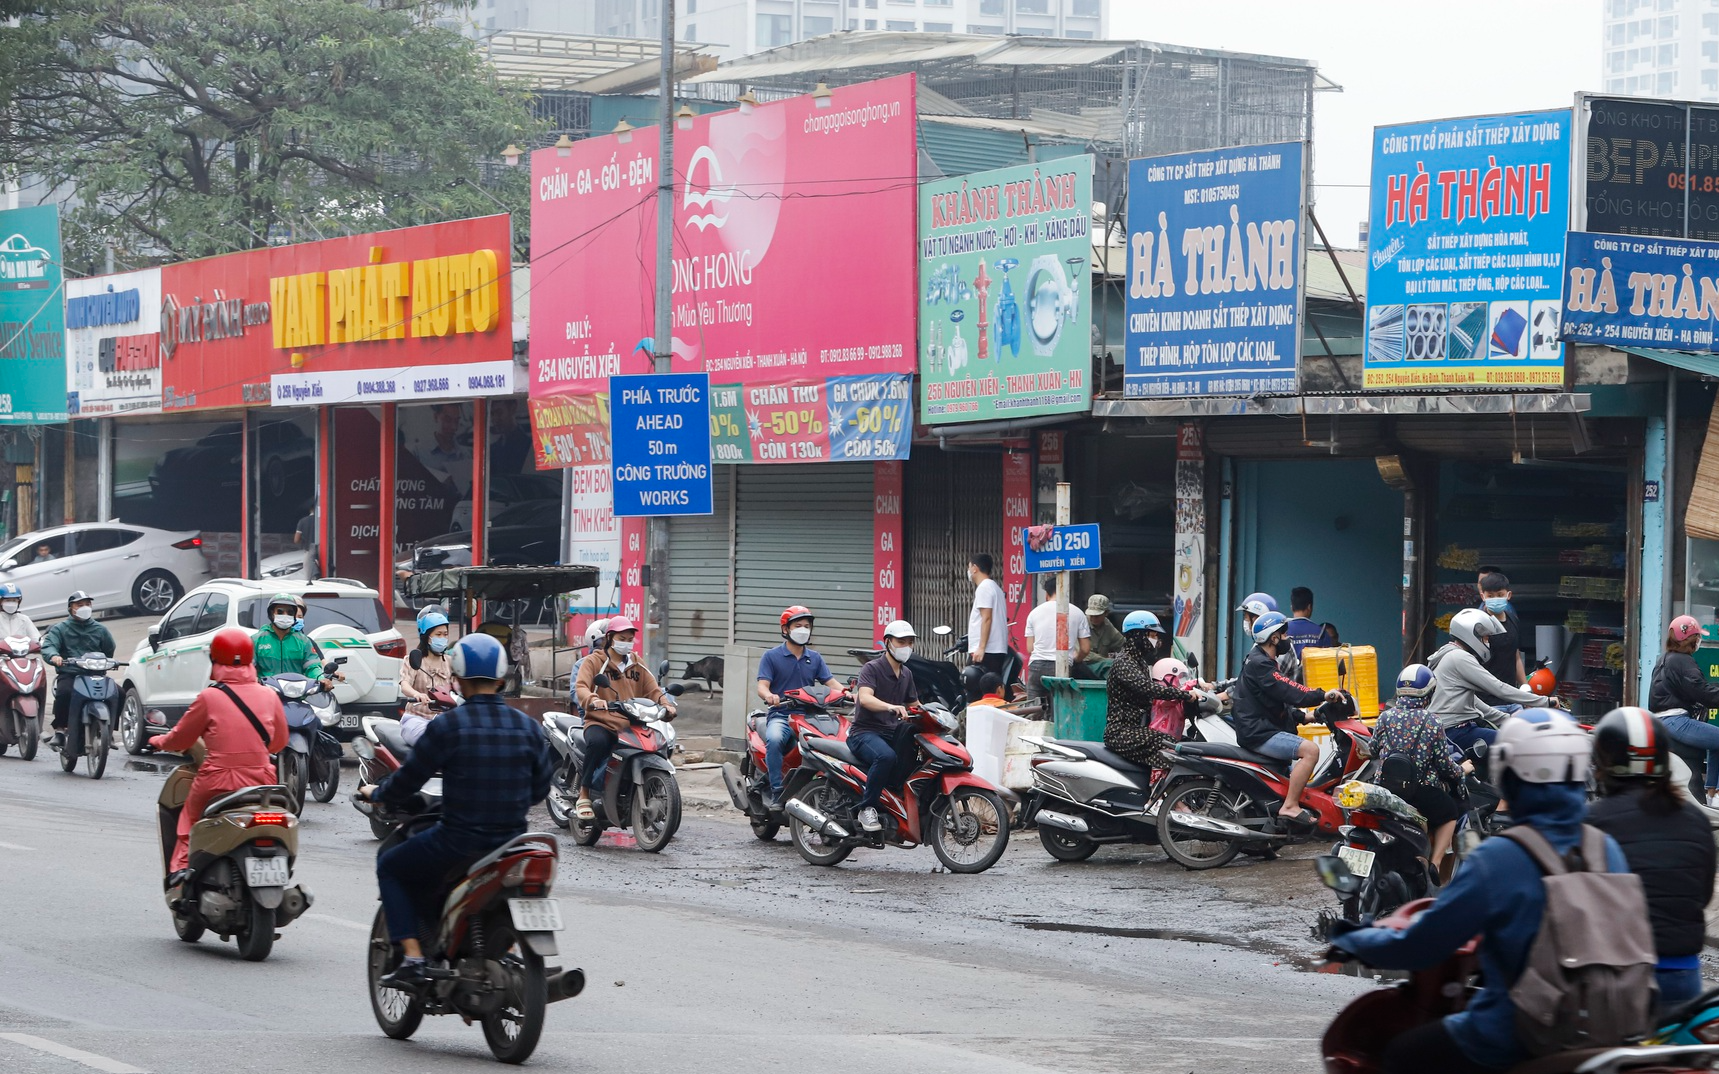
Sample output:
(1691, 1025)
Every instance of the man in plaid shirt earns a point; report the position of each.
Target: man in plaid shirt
(495, 765)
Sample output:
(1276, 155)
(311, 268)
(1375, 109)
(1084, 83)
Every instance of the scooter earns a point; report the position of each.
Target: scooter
(1694, 1022)
(639, 789)
(242, 854)
(381, 751)
(809, 716)
(89, 716)
(309, 764)
(1384, 847)
(487, 951)
(942, 802)
(21, 668)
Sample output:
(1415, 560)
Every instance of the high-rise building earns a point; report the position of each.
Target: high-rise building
(1662, 48)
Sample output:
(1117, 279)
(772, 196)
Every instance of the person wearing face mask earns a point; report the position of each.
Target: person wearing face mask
(789, 666)
(15, 624)
(1133, 689)
(628, 679)
(64, 643)
(434, 672)
(881, 737)
(281, 650)
(1505, 661)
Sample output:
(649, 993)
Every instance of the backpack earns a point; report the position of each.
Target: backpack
(1170, 717)
(1589, 979)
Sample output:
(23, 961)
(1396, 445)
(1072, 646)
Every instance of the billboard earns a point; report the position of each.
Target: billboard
(1465, 236)
(32, 317)
(1005, 293)
(837, 419)
(423, 313)
(1647, 167)
(113, 360)
(1628, 290)
(1215, 255)
(793, 245)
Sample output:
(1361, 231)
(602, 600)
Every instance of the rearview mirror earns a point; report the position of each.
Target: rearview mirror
(1342, 669)
(154, 638)
(415, 658)
(676, 689)
(943, 630)
(8, 565)
(1336, 875)
(662, 670)
(1478, 749)
(601, 682)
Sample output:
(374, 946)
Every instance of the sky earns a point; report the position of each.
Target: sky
(1397, 60)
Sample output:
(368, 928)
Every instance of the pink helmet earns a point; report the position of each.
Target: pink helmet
(1171, 672)
(1684, 627)
(618, 623)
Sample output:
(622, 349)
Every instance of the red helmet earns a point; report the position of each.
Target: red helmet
(231, 648)
(1630, 743)
(1543, 682)
(793, 612)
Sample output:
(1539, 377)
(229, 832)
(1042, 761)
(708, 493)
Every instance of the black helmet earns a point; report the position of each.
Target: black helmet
(970, 678)
(1630, 743)
(78, 597)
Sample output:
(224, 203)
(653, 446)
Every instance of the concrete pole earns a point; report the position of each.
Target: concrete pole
(656, 530)
(1064, 636)
(69, 470)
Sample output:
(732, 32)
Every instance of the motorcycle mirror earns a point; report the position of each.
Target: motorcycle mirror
(1342, 668)
(601, 682)
(1478, 749)
(675, 689)
(363, 748)
(415, 658)
(943, 630)
(1336, 875)
(662, 670)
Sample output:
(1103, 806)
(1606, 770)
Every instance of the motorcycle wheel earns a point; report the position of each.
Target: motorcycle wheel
(766, 830)
(397, 1013)
(131, 730)
(68, 759)
(189, 929)
(293, 778)
(1066, 846)
(969, 830)
(95, 752)
(30, 738)
(1207, 797)
(257, 938)
(513, 1031)
(380, 829)
(327, 784)
(824, 798)
(656, 810)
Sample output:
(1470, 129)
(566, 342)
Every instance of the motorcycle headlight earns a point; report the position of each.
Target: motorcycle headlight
(94, 663)
(294, 690)
(328, 717)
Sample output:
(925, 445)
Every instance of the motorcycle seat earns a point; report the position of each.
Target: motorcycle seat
(388, 734)
(829, 747)
(264, 794)
(1226, 752)
(1096, 751)
(566, 722)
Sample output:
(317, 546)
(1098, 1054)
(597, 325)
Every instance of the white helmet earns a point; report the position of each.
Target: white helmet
(594, 632)
(1472, 627)
(901, 628)
(1544, 746)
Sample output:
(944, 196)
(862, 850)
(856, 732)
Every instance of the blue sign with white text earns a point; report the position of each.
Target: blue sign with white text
(1061, 548)
(659, 428)
(1640, 290)
(1214, 272)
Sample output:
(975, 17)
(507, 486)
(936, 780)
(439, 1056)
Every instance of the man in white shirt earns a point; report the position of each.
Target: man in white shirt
(1041, 631)
(988, 622)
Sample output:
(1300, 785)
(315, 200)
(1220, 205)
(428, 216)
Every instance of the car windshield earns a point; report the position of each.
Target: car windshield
(10, 548)
(361, 613)
(531, 513)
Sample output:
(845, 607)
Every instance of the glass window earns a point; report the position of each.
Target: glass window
(1033, 7)
(179, 620)
(40, 550)
(1086, 9)
(360, 613)
(817, 24)
(989, 7)
(1079, 33)
(774, 30)
(871, 24)
(853, 24)
(692, 7)
(1710, 81)
(1034, 31)
(1667, 55)
(213, 616)
(1667, 84)
(980, 28)
(1668, 26)
(1710, 24)
(691, 32)
(939, 3)
(939, 27)
(899, 25)
(102, 540)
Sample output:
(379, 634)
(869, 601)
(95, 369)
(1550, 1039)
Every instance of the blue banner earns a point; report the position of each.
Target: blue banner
(1465, 239)
(1621, 290)
(659, 429)
(1214, 272)
(1061, 548)
(32, 317)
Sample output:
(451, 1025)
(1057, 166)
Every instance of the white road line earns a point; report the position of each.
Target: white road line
(341, 921)
(88, 1059)
(15, 846)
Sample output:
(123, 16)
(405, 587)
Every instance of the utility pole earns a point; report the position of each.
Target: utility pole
(1064, 636)
(662, 339)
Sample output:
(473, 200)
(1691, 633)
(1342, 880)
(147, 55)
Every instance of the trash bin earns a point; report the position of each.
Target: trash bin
(1079, 708)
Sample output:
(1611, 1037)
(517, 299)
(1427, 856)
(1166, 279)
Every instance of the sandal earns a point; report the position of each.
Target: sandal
(1303, 822)
(582, 809)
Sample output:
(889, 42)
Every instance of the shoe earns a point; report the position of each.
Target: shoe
(58, 742)
(773, 802)
(407, 977)
(175, 878)
(868, 820)
(582, 809)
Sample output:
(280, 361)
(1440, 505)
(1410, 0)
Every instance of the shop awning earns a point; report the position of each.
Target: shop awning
(1701, 514)
(1688, 361)
(1289, 405)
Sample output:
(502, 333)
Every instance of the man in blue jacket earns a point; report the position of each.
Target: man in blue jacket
(1499, 894)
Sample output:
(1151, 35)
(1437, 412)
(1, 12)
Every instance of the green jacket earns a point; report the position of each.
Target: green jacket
(72, 638)
(294, 654)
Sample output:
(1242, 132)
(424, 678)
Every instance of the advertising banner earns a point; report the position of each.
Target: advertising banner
(842, 419)
(405, 307)
(1465, 237)
(793, 246)
(32, 317)
(1187, 600)
(1624, 290)
(888, 483)
(113, 361)
(1649, 167)
(1017, 515)
(659, 424)
(1005, 269)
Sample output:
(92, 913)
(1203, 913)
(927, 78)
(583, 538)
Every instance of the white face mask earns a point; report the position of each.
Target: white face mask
(800, 635)
(10, 607)
(83, 612)
(625, 648)
(283, 622)
(901, 653)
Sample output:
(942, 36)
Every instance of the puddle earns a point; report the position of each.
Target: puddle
(1299, 960)
(144, 764)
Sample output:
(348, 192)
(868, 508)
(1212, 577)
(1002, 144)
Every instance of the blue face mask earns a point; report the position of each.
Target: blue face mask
(298, 625)
(1497, 604)
(438, 645)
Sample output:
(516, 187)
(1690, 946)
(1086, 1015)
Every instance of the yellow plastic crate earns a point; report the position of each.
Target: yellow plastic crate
(1360, 671)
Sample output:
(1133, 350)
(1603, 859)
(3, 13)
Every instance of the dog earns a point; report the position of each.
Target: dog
(709, 669)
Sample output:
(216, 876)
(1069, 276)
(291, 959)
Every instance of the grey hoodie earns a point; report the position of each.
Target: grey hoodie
(1458, 677)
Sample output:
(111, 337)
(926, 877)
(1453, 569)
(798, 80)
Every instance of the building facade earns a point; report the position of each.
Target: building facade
(1662, 48)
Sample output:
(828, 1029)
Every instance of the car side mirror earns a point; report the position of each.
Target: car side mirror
(415, 658)
(10, 564)
(154, 638)
(601, 682)
(676, 689)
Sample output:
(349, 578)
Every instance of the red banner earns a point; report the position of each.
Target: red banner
(886, 592)
(1017, 515)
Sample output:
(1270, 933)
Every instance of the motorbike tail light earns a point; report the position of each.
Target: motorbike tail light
(189, 542)
(262, 818)
(264, 843)
(395, 648)
(1707, 1032)
(533, 874)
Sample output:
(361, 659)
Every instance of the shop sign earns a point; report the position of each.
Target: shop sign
(1465, 238)
(402, 384)
(659, 426)
(113, 361)
(1649, 168)
(840, 419)
(1062, 548)
(32, 317)
(1005, 293)
(1017, 516)
(1635, 291)
(888, 485)
(1188, 591)
(1215, 256)
(793, 246)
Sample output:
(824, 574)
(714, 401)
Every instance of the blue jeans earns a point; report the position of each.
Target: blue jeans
(1677, 986)
(413, 876)
(778, 732)
(1700, 734)
(1465, 735)
(887, 760)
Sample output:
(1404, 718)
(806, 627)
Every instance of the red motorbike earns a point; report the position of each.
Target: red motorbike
(21, 668)
(941, 802)
(1221, 799)
(809, 716)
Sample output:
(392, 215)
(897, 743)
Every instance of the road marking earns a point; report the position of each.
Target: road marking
(15, 846)
(341, 921)
(88, 1059)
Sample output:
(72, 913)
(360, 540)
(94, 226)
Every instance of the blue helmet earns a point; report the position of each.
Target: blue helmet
(1140, 621)
(1415, 681)
(479, 656)
(1267, 624)
(1258, 604)
(10, 591)
(431, 618)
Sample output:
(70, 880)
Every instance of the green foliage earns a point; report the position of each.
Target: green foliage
(193, 127)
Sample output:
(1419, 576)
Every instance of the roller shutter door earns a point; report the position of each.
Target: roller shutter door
(803, 535)
(954, 508)
(699, 569)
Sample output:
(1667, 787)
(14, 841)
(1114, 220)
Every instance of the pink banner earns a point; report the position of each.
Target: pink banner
(886, 591)
(1017, 515)
(794, 251)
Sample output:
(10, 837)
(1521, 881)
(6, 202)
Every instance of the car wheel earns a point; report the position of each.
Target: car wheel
(132, 733)
(155, 591)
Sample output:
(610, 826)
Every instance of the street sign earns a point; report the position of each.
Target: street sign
(659, 428)
(1061, 548)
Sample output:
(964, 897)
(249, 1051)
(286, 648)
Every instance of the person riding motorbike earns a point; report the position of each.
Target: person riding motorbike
(283, 651)
(434, 672)
(1665, 839)
(1677, 683)
(1264, 706)
(1499, 894)
(1133, 689)
(789, 666)
(1460, 678)
(881, 737)
(1416, 758)
(241, 723)
(63, 644)
(15, 624)
(495, 764)
(628, 679)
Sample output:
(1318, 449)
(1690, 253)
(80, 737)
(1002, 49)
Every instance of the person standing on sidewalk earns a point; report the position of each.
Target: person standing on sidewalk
(1041, 629)
(988, 622)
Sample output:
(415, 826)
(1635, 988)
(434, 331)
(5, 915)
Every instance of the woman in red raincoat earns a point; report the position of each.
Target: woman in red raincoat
(239, 746)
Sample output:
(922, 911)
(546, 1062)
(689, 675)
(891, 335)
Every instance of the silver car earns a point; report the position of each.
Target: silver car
(116, 563)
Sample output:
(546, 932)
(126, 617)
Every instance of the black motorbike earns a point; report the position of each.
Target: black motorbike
(1384, 848)
(309, 765)
(89, 716)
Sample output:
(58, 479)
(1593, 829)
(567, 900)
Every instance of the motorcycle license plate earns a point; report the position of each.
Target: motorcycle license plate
(535, 915)
(1360, 862)
(349, 719)
(266, 872)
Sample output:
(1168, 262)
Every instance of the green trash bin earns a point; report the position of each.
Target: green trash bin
(1079, 708)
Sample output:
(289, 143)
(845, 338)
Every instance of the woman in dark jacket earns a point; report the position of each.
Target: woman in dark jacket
(1678, 684)
(1665, 839)
(1127, 729)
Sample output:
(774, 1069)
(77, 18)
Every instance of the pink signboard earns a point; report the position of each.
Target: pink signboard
(794, 253)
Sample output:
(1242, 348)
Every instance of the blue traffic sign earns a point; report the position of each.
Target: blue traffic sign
(1061, 548)
(659, 429)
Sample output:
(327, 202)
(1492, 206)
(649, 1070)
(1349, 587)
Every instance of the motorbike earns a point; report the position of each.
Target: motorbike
(381, 750)
(487, 951)
(243, 850)
(21, 668)
(89, 715)
(809, 715)
(1384, 847)
(309, 764)
(942, 802)
(1694, 1022)
(639, 788)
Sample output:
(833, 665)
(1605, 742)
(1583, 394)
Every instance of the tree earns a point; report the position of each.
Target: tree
(183, 128)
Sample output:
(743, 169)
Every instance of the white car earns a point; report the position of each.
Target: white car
(171, 665)
(116, 563)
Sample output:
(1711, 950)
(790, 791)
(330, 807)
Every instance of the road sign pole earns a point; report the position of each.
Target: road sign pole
(651, 643)
(1064, 635)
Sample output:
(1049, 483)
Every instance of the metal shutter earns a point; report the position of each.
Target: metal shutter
(699, 569)
(803, 535)
(954, 508)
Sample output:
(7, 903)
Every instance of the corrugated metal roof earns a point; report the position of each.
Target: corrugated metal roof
(1691, 361)
(1044, 53)
(1322, 279)
(544, 59)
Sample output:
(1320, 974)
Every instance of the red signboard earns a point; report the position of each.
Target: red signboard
(886, 591)
(1017, 516)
